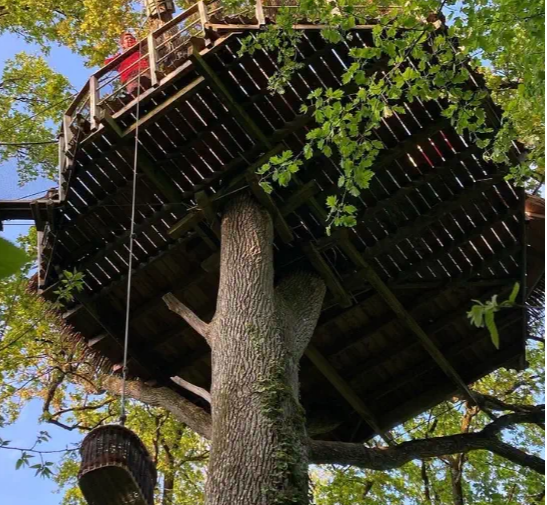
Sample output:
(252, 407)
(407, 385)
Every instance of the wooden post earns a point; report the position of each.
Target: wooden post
(67, 132)
(39, 239)
(94, 102)
(158, 12)
(62, 160)
(203, 16)
(152, 59)
(260, 13)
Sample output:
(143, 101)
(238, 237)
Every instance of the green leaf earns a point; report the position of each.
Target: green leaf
(12, 258)
(267, 187)
(514, 293)
(492, 328)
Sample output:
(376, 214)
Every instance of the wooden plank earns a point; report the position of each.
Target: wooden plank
(404, 316)
(157, 177)
(206, 205)
(204, 68)
(153, 60)
(94, 102)
(300, 197)
(344, 389)
(259, 13)
(186, 224)
(331, 280)
(165, 106)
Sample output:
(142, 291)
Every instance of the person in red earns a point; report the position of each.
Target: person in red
(130, 67)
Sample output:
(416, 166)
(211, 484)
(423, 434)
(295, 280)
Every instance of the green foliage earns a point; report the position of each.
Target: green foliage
(12, 258)
(89, 27)
(482, 314)
(33, 98)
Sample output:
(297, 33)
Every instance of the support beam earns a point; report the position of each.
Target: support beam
(163, 183)
(404, 316)
(142, 360)
(165, 106)
(344, 389)
(252, 128)
(414, 227)
(325, 271)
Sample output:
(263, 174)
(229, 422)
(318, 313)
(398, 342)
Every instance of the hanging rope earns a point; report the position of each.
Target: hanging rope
(123, 415)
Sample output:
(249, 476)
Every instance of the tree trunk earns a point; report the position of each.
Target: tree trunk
(258, 452)
(168, 487)
(456, 473)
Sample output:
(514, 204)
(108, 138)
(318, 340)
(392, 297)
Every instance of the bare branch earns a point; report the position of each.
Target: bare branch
(175, 305)
(387, 458)
(194, 389)
(185, 411)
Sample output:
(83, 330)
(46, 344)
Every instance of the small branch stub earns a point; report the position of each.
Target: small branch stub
(194, 389)
(176, 306)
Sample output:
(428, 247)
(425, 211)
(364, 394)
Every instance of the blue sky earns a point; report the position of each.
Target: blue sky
(21, 487)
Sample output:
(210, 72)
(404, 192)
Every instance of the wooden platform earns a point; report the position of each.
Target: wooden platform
(437, 228)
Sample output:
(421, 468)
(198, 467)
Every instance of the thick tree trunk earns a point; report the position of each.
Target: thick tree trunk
(258, 454)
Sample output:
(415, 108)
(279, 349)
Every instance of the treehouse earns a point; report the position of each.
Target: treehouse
(438, 227)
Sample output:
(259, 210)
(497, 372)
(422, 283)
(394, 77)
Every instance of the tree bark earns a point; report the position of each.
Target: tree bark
(456, 475)
(258, 334)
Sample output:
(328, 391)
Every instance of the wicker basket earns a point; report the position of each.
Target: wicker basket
(116, 468)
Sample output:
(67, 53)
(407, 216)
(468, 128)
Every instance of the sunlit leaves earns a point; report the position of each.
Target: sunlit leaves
(11, 258)
(482, 313)
(32, 100)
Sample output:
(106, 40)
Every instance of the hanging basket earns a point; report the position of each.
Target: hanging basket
(116, 468)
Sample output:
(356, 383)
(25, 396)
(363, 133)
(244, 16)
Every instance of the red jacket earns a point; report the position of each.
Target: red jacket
(128, 66)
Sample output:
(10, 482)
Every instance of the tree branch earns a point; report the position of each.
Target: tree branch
(194, 389)
(388, 458)
(175, 305)
(299, 297)
(185, 411)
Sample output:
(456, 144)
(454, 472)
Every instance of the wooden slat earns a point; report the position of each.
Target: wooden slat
(332, 282)
(231, 103)
(404, 316)
(345, 390)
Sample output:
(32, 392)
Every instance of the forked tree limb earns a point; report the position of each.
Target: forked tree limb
(389, 458)
(176, 306)
(299, 297)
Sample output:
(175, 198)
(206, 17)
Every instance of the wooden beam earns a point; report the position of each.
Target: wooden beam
(300, 197)
(431, 397)
(186, 224)
(281, 226)
(141, 359)
(259, 12)
(206, 205)
(344, 389)
(404, 316)
(163, 183)
(165, 106)
(216, 83)
(414, 227)
(382, 357)
(325, 271)
(454, 350)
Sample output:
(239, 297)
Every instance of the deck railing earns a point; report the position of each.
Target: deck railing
(160, 53)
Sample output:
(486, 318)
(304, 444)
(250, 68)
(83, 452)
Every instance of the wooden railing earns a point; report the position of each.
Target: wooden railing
(163, 51)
